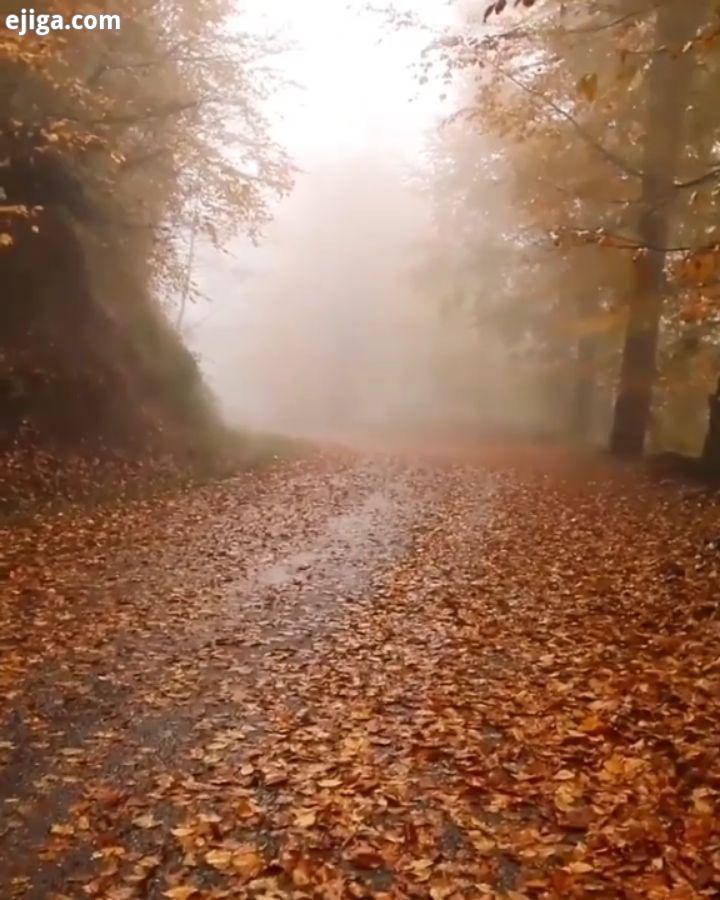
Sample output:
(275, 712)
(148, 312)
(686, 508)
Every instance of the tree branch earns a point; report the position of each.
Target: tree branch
(615, 241)
(701, 179)
(611, 157)
(522, 31)
(587, 198)
(613, 23)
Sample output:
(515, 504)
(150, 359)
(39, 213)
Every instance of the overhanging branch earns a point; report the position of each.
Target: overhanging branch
(712, 175)
(600, 148)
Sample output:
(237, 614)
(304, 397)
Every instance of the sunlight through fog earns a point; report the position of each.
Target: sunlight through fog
(322, 328)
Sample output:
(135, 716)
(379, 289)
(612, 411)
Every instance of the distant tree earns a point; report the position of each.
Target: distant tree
(610, 126)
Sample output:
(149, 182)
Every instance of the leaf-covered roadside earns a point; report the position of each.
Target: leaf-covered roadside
(520, 698)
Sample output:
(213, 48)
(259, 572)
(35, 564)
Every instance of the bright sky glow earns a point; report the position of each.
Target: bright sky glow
(354, 126)
(359, 90)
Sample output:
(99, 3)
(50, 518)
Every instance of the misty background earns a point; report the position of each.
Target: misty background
(328, 327)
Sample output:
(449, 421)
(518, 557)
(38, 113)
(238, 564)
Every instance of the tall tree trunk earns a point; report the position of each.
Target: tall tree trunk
(669, 83)
(187, 284)
(583, 394)
(583, 397)
(711, 449)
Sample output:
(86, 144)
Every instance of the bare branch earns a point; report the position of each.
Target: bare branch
(611, 157)
(613, 23)
(615, 241)
(701, 179)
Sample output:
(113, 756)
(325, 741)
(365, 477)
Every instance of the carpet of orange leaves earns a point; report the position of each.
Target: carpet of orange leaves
(492, 677)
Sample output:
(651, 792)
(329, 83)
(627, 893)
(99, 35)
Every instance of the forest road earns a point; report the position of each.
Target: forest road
(355, 676)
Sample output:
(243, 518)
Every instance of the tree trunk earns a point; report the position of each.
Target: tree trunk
(669, 83)
(711, 450)
(584, 389)
(583, 395)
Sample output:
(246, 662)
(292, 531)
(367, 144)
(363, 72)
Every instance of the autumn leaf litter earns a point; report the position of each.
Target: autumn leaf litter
(518, 696)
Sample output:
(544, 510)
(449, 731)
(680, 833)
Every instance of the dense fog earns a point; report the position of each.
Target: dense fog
(336, 325)
(333, 331)
(447, 257)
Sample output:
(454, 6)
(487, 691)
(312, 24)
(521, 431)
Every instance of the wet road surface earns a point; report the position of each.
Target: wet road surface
(364, 677)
